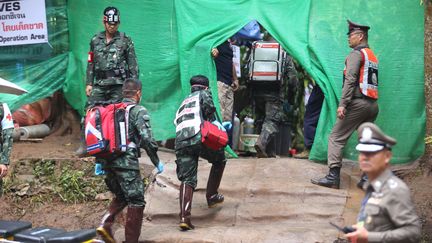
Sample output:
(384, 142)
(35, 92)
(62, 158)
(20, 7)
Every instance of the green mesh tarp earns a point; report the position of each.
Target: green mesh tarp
(173, 40)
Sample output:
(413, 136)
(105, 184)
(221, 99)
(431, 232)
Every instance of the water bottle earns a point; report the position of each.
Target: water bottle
(236, 133)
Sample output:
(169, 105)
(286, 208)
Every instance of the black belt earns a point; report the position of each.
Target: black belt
(108, 74)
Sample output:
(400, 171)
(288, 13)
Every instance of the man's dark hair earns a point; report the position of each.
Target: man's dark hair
(366, 35)
(199, 82)
(130, 87)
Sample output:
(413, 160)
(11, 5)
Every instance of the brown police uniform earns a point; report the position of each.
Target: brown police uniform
(389, 213)
(387, 210)
(359, 108)
(360, 104)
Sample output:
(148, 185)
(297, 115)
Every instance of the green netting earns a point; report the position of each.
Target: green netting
(173, 41)
(152, 26)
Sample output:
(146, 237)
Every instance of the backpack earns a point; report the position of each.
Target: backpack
(266, 62)
(106, 130)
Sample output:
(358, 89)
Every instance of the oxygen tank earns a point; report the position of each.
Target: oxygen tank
(248, 125)
(236, 133)
(247, 137)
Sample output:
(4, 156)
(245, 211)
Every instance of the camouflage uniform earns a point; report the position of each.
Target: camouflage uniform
(123, 176)
(272, 104)
(188, 149)
(112, 63)
(6, 144)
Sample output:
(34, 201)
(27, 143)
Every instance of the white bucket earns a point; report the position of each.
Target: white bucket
(247, 142)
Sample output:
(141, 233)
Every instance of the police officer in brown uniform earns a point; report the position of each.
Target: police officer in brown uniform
(387, 213)
(358, 103)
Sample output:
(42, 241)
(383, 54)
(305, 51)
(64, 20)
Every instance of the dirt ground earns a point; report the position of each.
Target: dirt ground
(55, 213)
(88, 215)
(421, 191)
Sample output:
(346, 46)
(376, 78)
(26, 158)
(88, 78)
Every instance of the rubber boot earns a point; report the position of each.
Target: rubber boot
(82, 149)
(271, 148)
(261, 144)
(104, 230)
(134, 220)
(331, 180)
(215, 177)
(186, 194)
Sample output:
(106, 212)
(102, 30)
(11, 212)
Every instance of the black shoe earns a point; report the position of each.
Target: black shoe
(215, 200)
(332, 180)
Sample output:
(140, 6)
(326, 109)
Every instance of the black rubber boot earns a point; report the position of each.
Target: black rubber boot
(261, 144)
(82, 149)
(215, 177)
(332, 180)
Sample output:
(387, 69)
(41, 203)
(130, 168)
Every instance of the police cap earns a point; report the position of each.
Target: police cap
(199, 80)
(372, 139)
(354, 26)
(111, 15)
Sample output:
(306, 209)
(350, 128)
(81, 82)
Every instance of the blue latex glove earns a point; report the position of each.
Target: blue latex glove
(219, 125)
(227, 125)
(287, 107)
(98, 169)
(160, 167)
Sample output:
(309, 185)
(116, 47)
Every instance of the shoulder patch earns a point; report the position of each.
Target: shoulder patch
(392, 184)
(6, 121)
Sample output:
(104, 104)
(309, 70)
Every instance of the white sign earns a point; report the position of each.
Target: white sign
(236, 59)
(22, 22)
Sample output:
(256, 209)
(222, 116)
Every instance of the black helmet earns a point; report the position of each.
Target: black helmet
(199, 80)
(111, 15)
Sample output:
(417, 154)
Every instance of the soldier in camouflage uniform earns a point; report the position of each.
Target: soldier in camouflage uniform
(198, 106)
(7, 128)
(111, 60)
(123, 176)
(271, 102)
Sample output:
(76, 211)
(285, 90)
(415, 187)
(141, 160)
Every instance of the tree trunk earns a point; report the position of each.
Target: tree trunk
(427, 158)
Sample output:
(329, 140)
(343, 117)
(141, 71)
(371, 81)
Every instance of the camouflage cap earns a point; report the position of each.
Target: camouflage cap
(372, 139)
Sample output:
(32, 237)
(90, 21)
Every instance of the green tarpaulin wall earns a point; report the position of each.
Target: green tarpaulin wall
(173, 39)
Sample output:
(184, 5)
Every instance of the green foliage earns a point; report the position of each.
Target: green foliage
(70, 183)
(70, 186)
(44, 168)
